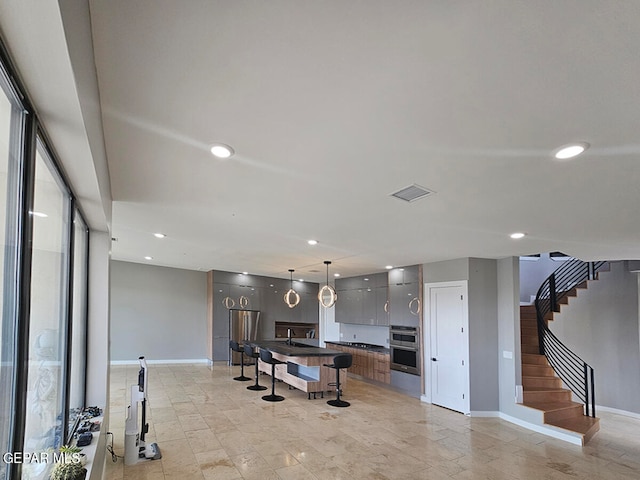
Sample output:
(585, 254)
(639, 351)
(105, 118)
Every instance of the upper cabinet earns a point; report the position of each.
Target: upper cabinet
(362, 300)
(405, 304)
(265, 294)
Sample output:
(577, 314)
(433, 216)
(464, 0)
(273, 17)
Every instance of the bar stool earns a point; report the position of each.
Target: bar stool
(267, 357)
(343, 360)
(233, 345)
(250, 352)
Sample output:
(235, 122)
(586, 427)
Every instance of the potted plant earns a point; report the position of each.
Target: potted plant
(68, 471)
(73, 453)
(71, 465)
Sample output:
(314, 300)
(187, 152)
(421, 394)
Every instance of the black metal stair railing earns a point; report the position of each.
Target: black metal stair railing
(576, 374)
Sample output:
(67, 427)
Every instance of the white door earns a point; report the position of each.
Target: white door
(448, 345)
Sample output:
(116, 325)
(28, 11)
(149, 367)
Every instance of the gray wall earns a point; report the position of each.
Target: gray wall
(601, 326)
(534, 271)
(483, 335)
(157, 312)
(447, 271)
(481, 275)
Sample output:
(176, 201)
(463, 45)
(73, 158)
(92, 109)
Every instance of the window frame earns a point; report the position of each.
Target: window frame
(76, 213)
(23, 141)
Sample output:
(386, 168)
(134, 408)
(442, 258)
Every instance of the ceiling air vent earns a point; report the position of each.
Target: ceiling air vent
(412, 192)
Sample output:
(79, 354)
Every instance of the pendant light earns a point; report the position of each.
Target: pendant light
(327, 295)
(291, 298)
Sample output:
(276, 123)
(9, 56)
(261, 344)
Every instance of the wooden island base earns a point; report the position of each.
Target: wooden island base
(303, 368)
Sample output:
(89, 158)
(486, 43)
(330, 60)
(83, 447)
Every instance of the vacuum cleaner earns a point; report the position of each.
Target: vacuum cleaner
(135, 446)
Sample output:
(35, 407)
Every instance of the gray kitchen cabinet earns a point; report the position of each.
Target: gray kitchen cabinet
(382, 299)
(361, 299)
(404, 296)
(348, 306)
(309, 305)
(342, 284)
(368, 314)
(274, 310)
(254, 292)
(220, 330)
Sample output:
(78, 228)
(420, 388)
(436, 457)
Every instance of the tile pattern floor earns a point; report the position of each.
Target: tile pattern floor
(209, 426)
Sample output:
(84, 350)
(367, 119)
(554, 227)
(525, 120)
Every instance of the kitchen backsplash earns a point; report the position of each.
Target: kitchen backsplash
(364, 333)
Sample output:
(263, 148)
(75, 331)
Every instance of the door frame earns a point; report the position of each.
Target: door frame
(426, 340)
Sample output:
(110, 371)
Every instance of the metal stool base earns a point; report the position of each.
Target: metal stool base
(273, 398)
(338, 403)
(256, 387)
(242, 378)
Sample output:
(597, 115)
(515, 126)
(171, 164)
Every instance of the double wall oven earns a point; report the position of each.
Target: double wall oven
(404, 343)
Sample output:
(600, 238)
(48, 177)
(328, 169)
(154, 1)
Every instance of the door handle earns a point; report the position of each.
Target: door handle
(433, 359)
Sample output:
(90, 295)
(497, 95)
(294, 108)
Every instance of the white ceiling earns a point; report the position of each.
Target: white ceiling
(331, 106)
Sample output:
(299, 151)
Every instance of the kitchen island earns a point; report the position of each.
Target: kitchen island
(303, 367)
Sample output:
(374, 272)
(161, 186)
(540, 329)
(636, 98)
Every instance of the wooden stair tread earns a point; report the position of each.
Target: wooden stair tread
(551, 406)
(582, 424)
(534, 359)
(555, 402)
(544, 389)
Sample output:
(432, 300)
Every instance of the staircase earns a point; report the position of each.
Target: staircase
(542, 389)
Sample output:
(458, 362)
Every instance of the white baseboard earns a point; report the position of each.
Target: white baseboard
(155, 362)
(576, 440)
(617, 412)
(485, 414)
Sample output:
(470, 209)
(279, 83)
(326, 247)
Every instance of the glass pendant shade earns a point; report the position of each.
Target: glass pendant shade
(291, 298)
(327, 295)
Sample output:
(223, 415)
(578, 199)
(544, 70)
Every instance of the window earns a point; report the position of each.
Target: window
(11, 126)
(48, 315)
(44, 275)
(78, 322)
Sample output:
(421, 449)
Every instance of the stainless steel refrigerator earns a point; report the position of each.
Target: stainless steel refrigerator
(243, 325)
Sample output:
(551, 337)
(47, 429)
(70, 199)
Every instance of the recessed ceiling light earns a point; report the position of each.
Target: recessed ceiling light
(336, 274)
(39, 214)
(221, 150)
(312, 242)
(159, 235)
(148, 258)
(389, 267)
(569, 151)
(245, 273)
(517, 235)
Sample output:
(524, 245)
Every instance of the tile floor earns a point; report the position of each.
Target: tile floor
(209, 426)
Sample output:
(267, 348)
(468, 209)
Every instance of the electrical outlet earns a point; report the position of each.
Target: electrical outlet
(341, 335)
(354, 336)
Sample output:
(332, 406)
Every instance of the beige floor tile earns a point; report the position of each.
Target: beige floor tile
(209, 426)
(296, 472)
(217, 465)
(203, 440)
(250, 464)
(168, 431)
(192, 421)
